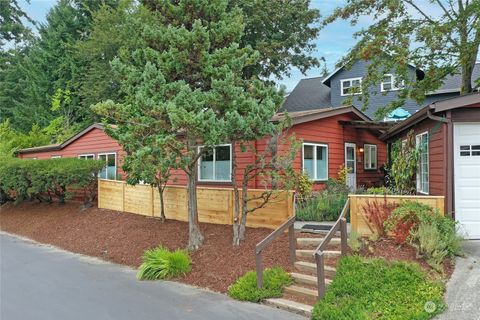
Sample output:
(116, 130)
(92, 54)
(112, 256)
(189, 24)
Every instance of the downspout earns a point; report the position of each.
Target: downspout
(447, 157)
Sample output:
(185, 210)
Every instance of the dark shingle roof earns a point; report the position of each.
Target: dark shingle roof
(308, 94)
(452, 83)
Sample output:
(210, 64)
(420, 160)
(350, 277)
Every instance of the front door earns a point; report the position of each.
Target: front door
(350, 164)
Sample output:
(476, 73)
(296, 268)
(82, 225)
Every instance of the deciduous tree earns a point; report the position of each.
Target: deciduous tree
(439, 37)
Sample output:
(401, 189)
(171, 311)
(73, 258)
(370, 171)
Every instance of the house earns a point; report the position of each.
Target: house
(330, 140)
(90, 143)
(332, 90)
(447, 133)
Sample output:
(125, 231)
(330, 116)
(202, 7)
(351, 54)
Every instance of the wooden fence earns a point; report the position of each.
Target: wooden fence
(359, 201)
(215, 205)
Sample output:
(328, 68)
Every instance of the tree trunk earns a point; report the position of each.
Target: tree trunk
(243, 222)
(468, 55)
(195, 238)
(236, 203)
(162, 203)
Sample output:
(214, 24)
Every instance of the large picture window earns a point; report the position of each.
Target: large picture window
(370, 156)
(315, 161)
(215, 164)
(108, 172)
(422, 167)
(351, 86)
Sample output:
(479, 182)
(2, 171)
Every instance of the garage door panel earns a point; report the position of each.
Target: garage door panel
(467, 178)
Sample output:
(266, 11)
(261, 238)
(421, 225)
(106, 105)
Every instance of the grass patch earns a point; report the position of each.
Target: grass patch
(377, 289)
(160, 263)
(245, 288)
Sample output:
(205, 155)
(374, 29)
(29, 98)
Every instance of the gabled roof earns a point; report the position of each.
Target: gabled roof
(312, 115)
(435, 107)
(308, 94)
(60, 146)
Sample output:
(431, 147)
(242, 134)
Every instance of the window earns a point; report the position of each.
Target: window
(55, 157)
(108, 172)
(351, 86)
(216, 164)
(315, 161)
(469, 150)
(389, 83)
(422, 168)
(370, 156)
(86, 156)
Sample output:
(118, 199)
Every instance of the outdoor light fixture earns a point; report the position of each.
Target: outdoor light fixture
(361, 150)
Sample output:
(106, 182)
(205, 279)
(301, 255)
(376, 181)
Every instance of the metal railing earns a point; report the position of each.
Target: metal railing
(289, 224)
(340, 225)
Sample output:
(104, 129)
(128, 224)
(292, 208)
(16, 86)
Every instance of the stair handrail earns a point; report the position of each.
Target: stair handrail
(339, 225)
(289, 223)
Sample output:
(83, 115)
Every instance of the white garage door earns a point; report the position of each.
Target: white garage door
(467, 178)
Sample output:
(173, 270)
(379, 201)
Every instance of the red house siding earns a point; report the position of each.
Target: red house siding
(325, 131)
(96, 141)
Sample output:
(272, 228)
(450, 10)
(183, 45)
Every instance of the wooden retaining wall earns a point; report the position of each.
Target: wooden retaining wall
(215, 205)
(358, 201)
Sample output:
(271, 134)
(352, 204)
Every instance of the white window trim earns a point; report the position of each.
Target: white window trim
(370, 145)
(116, 168)
(199, 162)
(350, 94)
(55, 157)
(393, 82)
(86, 155)
(314, 159)
(419, 182)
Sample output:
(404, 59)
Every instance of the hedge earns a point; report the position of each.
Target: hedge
(45, 180)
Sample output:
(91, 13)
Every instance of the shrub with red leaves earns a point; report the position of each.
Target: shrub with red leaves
(402, 231)
(376, 213)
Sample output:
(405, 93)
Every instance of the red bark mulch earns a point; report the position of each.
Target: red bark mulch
(390, 250)
(123, 237)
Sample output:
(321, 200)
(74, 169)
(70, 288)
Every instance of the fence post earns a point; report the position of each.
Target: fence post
(343, 235)
(259, 269)
(320, 274)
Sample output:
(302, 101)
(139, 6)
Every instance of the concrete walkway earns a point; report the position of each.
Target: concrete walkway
(44, 283)
(463, 289)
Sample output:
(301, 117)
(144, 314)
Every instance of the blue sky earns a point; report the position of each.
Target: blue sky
(333, 42)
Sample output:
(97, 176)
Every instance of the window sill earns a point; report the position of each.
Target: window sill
(214, 182)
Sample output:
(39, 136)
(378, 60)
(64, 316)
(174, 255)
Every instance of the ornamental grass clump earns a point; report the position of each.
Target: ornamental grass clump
(160, 263)
(274, 279)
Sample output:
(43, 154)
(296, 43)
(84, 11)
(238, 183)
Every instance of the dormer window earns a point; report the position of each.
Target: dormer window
(351, 86)
(389, 83)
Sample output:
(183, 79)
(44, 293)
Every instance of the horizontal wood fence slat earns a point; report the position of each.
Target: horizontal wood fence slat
(215, 205)
(358, 201)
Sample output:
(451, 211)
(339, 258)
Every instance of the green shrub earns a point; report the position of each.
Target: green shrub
(429, 244)
(44, 179)
(245, 288)
(378, 190)
(160, 263)
(437, 230)
(377, 289)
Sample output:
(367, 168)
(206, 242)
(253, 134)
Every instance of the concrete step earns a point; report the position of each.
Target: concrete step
(301, 292)
(309, 267)
(307, 279)
(308, 242)
(291, 306)
(308, 254)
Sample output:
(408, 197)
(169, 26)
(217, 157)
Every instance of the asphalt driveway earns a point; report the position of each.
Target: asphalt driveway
(463, 289)
(43, 283)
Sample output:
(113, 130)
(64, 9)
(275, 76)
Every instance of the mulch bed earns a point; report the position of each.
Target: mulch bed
(123, 237)
(390, 250)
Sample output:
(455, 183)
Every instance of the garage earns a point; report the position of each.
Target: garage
(467, 178)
